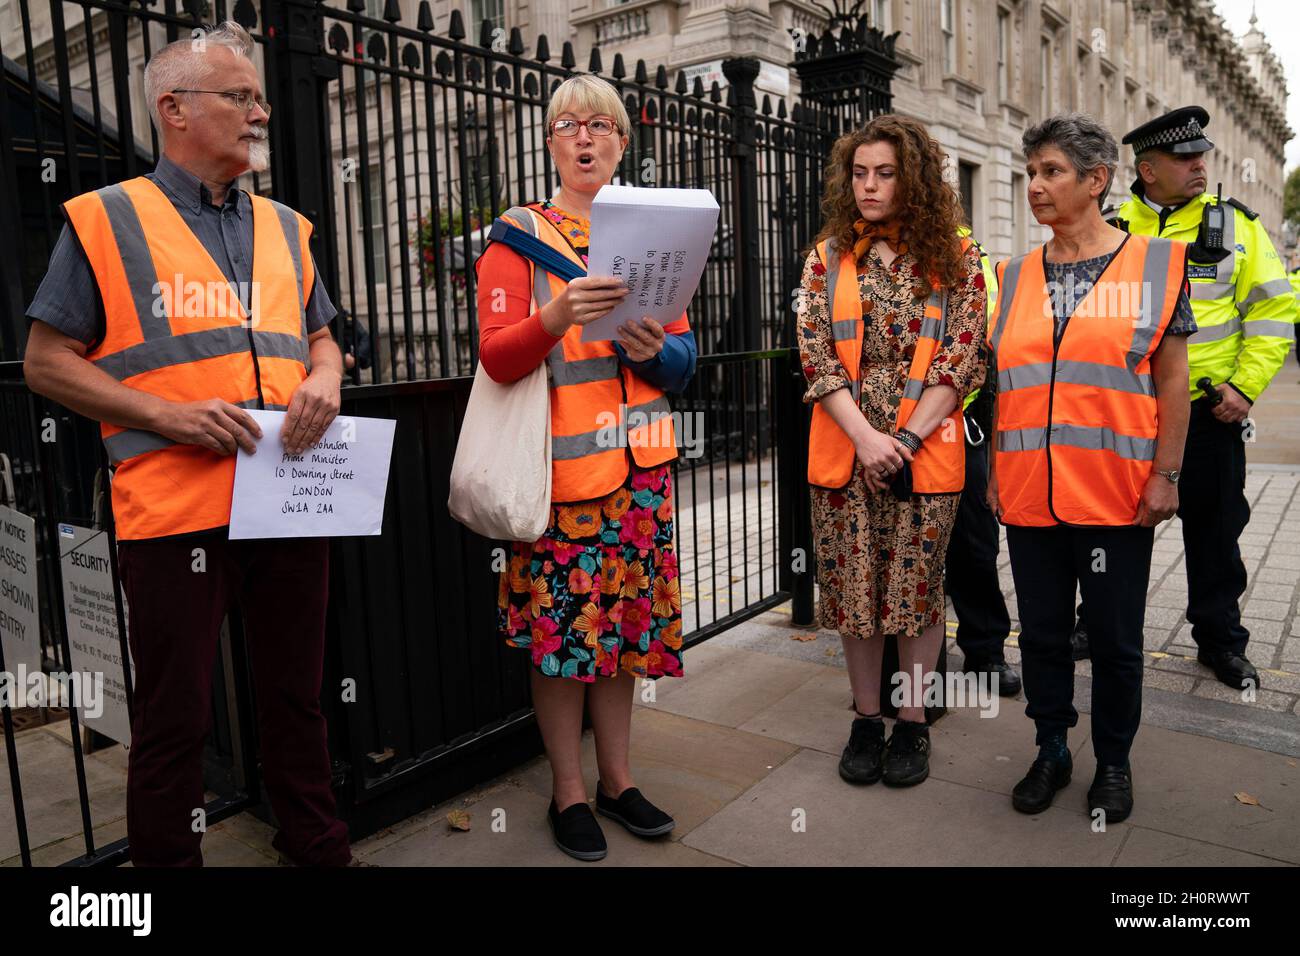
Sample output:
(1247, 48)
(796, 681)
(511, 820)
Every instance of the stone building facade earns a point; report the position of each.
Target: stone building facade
(978, 72)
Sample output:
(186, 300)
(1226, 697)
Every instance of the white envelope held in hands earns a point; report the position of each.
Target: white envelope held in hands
(657, 241)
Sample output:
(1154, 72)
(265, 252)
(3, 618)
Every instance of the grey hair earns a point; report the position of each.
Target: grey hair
(1084, 141)
(180, 65)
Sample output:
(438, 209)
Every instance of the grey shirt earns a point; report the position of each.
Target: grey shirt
(68, 297)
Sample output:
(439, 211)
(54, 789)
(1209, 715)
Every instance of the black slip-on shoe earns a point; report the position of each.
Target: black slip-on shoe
(576, 832)
(907, 755)
(1111, 792)
(637, 814)
(1034, 792)
(861, 760)
(1007, 680)
(1230, 668)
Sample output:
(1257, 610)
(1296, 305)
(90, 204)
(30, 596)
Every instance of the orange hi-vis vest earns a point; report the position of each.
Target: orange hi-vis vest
(599, 409)
(1077, 418)
(176, 328)
(940, 466)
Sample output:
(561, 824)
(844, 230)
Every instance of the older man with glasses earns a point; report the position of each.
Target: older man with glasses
(118, 336)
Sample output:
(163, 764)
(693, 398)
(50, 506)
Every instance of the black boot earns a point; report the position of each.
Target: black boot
(907, 757)
(1034, 793)
(1007, 680)
(1230, 668)
(1111, 792)
(860, 762)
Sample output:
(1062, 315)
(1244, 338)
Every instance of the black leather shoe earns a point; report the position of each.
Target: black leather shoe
(576, 832)
(861, 760)
(1079, 650)
(1230, 668)
(637, 814)
(1111, 792)
(907, 755)
(1034, 793)
(1008, 681)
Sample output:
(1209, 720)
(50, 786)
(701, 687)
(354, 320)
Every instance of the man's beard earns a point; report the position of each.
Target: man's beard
(259, 155)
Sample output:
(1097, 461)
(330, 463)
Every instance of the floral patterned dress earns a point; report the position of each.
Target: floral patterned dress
(880, 560)
(599, 591)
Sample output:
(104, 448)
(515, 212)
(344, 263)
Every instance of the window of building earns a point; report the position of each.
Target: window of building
(1045, 74)
(948, 23)
(880, 15)
(1004, 54)
(375, 201)
(1018, 202)
(480, 10)
(966, 185)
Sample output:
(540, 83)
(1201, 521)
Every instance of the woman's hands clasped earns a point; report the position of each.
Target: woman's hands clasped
(882, 457)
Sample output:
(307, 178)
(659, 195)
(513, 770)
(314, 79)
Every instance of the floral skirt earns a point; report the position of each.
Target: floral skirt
(599, 590)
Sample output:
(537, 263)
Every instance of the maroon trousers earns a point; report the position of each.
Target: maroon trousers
(176, 611)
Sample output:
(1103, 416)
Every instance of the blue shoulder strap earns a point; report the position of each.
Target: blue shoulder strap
(535, 250)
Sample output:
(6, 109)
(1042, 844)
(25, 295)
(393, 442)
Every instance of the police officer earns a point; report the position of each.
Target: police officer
(1245, 309)
(971, 568)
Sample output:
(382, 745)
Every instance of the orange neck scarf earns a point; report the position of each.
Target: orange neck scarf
(869, 232)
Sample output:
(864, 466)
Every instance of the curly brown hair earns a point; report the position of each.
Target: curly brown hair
(927, 206)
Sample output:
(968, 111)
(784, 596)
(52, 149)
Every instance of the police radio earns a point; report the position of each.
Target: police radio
(1208, 246)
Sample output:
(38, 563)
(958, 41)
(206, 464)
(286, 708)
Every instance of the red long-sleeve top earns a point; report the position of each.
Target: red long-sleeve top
(512, 342)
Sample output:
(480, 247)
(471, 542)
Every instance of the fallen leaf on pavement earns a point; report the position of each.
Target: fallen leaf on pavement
(458, 820)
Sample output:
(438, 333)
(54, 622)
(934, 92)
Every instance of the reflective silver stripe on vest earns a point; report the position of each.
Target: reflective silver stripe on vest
(1155, 268)
(137, 441)
(1075, 373)
(180, 349)
(933, 329)
(1078, 436)
(289, 223)
(1265, 290)
(1278, 329)
(1007, 292)
(845, 330)
(1213, 333)
(580, 371)
(1203, 291)
(137, 260)
(569, 447)
(280, 345)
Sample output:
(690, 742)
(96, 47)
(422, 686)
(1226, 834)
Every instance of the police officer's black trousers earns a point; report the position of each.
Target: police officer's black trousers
(971, 568)
(1112, 567)
(1214, 511)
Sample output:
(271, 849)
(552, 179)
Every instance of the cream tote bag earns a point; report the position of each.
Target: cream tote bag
(501, 476)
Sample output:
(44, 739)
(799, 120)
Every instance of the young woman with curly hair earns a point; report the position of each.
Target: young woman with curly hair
(890, 336)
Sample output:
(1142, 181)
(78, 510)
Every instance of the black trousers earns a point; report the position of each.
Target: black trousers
(971, 568)
(1112, 567)
(1214, 511)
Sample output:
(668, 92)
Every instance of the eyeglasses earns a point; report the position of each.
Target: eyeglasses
(243, 99)
(597, 126)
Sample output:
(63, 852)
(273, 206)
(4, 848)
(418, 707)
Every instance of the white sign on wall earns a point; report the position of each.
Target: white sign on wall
(20, 630)
(92, 625)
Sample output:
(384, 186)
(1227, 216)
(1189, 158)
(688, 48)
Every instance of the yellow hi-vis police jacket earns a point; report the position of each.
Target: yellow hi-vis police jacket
(990, 284)
(1244, 306)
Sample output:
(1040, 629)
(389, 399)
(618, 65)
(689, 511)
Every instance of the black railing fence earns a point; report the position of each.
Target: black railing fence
(401, 146)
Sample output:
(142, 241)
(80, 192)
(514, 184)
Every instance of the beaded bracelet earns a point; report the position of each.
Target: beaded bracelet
(910, 439)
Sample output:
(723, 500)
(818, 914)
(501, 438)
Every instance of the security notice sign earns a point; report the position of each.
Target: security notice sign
(92, 625)
(20, 632)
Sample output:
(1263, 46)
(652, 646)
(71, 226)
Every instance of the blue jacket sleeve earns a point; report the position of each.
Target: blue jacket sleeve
(672, 369)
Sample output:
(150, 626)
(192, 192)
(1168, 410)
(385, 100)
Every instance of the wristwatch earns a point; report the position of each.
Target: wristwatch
(1173, 476)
